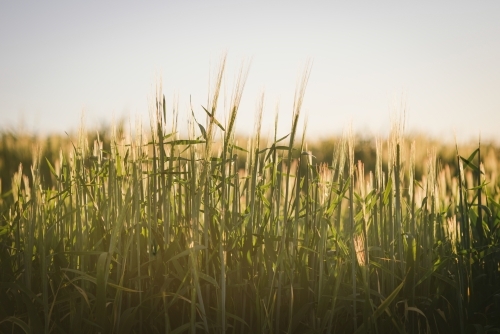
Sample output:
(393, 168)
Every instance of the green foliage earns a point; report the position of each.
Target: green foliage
(159, 234)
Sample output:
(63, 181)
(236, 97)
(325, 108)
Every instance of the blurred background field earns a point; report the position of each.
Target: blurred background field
(17, 148)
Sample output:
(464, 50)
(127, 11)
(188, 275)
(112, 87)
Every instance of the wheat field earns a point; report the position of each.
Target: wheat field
(147, 232)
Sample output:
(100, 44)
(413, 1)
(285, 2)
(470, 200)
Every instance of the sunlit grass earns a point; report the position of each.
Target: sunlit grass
(161, 234)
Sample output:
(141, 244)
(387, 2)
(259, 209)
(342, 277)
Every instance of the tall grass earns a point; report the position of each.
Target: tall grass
(161, 234)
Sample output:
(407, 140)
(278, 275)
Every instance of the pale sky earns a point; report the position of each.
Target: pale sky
(442, 58)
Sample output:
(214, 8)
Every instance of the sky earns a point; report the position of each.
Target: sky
(437, 60)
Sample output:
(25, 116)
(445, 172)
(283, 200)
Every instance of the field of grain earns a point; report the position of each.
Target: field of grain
(147, 232)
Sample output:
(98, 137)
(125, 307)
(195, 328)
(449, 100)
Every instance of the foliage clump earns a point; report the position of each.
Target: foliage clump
(152, 233)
